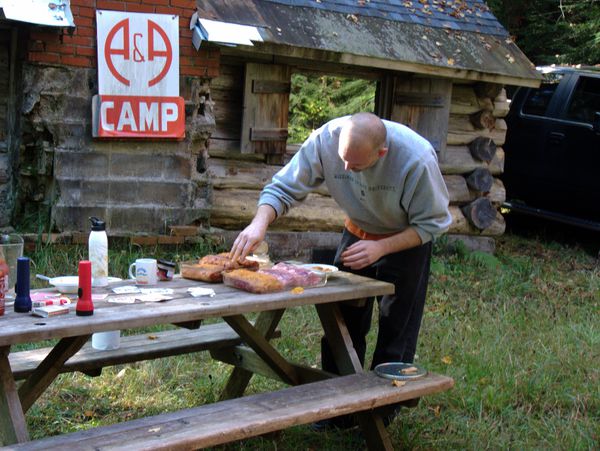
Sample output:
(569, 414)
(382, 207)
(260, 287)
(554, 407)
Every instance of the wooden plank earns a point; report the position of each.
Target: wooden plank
(38, 381)
(133, 348)
(228, 173)
(457, 188)
(250, 416)
(18, 328)
(266, 323)
(278, 52)
(425, 99)
(374, 431)
(268, 134)
(337, 334)
(235, 208)
(461, 131)
(271, 87)
(464, 100)
(458, 160)
(263, 348)
(13, 427)
(425, 109)
(246, 358)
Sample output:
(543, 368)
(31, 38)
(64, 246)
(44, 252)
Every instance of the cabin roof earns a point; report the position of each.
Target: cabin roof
(447, 38)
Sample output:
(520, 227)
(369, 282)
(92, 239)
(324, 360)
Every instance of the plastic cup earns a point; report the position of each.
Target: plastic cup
(11, 247)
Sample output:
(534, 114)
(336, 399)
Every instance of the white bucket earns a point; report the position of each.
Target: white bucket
(105, 341)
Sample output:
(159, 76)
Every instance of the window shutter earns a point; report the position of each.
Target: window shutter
(266, 107)
(423, 104)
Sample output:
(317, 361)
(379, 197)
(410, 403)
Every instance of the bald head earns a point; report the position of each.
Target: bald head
(362, 141)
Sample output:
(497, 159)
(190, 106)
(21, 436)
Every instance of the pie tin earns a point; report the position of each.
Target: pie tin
(393, 370)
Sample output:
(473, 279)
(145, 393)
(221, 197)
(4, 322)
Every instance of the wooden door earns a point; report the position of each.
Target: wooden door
(423, 104)
(266, 107)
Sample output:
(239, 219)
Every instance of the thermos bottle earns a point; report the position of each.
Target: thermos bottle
(85, 306)
(22, 298)
(98, 252)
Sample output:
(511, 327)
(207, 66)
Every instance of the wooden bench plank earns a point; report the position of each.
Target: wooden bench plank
(250, 416)
(133, 348)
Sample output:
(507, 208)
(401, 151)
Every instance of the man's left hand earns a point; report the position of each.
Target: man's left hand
(362, 254)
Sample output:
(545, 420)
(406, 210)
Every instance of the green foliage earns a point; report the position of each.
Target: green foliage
(316, 99)
(549, 31)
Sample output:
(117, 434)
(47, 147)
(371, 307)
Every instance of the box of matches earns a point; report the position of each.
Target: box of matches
(50, 310)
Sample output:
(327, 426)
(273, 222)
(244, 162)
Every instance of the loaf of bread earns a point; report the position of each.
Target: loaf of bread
(210, 267)
(252, 281)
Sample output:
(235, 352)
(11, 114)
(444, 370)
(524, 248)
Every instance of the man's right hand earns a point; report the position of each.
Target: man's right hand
(254, 234)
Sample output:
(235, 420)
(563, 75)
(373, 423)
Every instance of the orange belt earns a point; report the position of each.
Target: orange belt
(360, 233)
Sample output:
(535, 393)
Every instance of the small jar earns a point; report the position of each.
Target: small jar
(166, 270)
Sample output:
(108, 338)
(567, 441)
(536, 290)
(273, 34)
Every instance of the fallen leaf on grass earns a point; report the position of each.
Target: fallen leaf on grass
(88, 414)
(397, 383)
(121, 373)
(447, 360)
(436, 410)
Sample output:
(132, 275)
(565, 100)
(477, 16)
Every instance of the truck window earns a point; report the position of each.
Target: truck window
(537, 100)
(585, 101)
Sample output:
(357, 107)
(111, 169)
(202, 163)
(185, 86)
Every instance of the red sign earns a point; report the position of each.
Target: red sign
(138, 117)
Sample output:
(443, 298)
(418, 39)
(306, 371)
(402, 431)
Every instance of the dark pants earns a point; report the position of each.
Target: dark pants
(399, 314)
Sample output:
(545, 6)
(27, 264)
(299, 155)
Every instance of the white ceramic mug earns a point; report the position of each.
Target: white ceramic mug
(145, 271)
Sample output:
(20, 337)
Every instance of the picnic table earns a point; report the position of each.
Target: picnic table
(245, 344)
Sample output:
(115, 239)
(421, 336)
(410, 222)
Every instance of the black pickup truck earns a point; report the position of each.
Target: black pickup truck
(552, 149)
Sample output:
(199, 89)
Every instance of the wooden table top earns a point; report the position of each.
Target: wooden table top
(18, 328)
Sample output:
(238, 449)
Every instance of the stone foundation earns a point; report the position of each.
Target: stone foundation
(134, 185)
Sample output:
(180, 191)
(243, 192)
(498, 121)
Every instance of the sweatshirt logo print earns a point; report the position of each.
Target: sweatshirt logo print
(364, 187)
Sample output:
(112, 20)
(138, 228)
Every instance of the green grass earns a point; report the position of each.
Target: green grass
(519, 332)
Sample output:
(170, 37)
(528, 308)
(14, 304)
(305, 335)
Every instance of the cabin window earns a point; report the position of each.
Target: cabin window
(317, 98)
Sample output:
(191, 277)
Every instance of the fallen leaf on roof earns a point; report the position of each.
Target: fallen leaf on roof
(397, 383)
(352, 17)
(156, 429)
(450, 61)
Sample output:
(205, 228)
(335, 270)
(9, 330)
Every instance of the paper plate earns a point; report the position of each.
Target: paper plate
(400, 371)
(321, 268)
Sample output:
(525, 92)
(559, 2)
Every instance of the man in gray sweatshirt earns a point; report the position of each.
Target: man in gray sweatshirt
(387, 180)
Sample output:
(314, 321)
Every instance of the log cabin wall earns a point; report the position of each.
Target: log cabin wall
(471, 162)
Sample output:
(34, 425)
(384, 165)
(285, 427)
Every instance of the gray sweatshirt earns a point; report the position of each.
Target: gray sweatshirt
(403, 188)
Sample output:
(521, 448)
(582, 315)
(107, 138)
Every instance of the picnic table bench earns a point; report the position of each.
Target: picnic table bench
(245, 417)
(313, 395)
